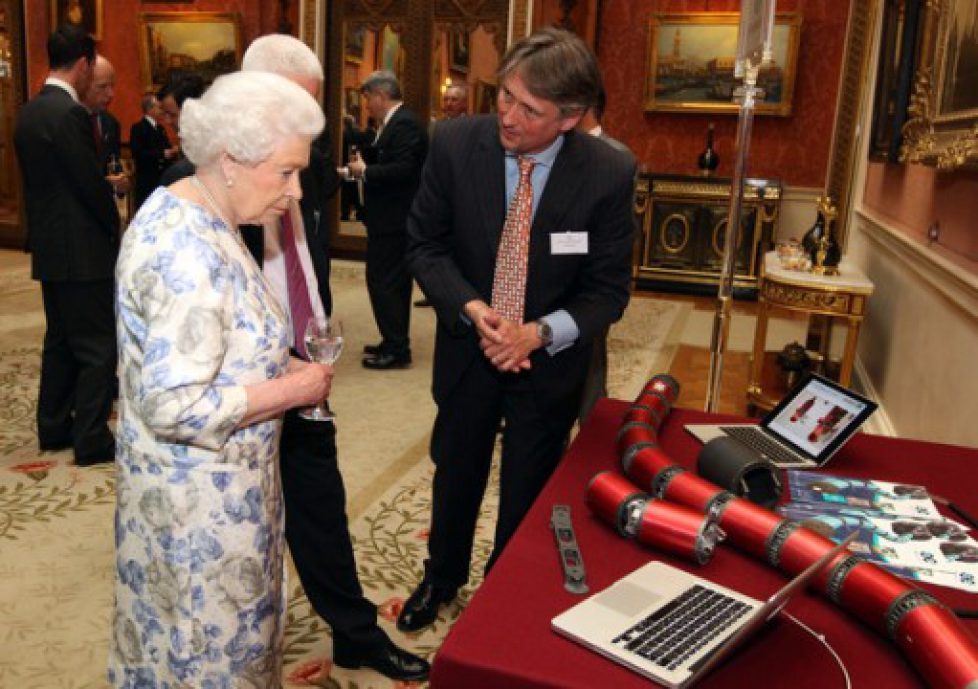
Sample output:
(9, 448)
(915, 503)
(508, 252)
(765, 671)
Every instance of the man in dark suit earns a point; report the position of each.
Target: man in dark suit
(521, 236)
(151, 149)
(315, 500)
(105, 127)
(72, 234)
(390, 170)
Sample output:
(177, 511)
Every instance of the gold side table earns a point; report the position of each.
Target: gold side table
(825, 299)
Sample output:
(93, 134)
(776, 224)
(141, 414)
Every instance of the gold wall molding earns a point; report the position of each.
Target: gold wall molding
(853, 89)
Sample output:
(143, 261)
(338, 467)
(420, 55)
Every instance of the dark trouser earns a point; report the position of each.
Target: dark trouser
(318, 534)
(389, 286)
(77, 367)
(461, 448)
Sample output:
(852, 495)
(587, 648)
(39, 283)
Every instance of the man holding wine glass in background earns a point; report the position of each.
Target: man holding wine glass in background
(105, 127)
(293, 257)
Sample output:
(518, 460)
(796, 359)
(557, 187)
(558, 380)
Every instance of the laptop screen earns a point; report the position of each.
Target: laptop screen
(818, 416)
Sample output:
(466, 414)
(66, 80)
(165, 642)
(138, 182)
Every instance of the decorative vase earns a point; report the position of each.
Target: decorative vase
(819, 242)
(708, 160)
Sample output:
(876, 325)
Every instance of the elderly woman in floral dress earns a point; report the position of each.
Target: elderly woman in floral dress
(205, 378)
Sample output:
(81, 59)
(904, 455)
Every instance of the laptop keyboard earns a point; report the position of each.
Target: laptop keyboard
(677, 631)
(757, 440)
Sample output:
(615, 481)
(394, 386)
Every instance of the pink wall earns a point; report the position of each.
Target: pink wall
(912, 197)
(794, 149)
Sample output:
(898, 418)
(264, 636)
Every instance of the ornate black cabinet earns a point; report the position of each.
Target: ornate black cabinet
(684, 220)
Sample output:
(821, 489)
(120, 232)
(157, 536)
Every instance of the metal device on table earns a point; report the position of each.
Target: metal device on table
(575, 578)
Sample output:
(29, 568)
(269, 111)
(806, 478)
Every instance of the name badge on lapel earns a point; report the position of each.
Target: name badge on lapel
(564, 243)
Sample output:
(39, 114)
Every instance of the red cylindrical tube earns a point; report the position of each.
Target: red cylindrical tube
(748, 526)
(689, 489)
(677, 529)
(801, 549)
(643, 466)
(665, 384)
(868, 591)
(939, 647)
(659, 405)
(610, 496)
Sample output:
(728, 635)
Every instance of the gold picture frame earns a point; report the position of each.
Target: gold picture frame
(84, 13)
(691, 60)
(204, 43)
(942, 129)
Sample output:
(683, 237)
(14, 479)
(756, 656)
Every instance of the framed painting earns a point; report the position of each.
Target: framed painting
(894, 78)
(176, 43)
(84, 13)
(458, 50)
(485, 96)
(942, 129)
(691, 63)
(353, 45)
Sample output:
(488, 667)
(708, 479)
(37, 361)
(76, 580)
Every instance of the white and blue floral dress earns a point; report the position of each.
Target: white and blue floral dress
(200, 591)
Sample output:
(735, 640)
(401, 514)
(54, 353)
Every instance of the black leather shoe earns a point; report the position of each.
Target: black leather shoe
(382, 362)
(100, 457)
(388, 660)
(422, 303)
(421, 608)
(372, 350)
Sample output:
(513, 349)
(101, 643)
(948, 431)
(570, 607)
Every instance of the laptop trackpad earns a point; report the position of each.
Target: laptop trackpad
(627, 598)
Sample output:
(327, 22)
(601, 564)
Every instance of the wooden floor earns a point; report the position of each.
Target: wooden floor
(691, 365)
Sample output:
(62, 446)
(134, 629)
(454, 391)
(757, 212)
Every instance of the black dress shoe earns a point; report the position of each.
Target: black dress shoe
(421, 608)
(388, 660)
(422, 303)
(382, 362)
(372, 350)
(102, 456)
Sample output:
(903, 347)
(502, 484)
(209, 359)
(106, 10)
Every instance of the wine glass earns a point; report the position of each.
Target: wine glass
(113, 167)
(324, 342)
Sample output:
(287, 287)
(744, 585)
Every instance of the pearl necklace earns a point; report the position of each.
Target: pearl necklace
(202, 188)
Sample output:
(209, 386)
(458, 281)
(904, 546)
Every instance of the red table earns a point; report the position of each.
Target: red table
(504, 641)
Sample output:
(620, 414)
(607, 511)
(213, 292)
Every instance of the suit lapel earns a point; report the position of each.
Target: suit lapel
(490, 186)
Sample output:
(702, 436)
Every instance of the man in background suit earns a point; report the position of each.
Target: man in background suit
(596, 384)
(105, 127)
(151, 149)
(390, 170)
(315, 500)
(73, 237)
(520, 294)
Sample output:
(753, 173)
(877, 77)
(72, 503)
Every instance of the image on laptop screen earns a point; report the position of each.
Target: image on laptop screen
(816, 416)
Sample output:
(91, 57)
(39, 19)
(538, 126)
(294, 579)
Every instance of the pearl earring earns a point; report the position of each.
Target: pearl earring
(229, 182)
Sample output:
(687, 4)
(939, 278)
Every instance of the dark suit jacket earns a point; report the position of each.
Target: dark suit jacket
(110, 144)
(454, 230)
(72, 221)
(393, 173)
(148, 144)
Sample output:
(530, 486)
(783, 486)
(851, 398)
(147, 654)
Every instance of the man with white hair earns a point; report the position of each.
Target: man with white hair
(315, 500)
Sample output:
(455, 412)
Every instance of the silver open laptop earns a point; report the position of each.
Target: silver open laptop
(672, 626)
(807, 427)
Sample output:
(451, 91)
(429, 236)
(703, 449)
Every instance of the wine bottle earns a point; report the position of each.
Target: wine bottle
(708, 159)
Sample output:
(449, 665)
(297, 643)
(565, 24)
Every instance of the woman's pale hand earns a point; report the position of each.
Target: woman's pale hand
(310, 384)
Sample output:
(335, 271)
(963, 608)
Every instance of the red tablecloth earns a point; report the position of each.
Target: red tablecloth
(504, 640)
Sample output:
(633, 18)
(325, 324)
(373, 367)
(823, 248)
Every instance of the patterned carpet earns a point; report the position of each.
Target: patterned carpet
(56, 519)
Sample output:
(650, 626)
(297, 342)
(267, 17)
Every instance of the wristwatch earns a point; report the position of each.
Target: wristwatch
(545, 333)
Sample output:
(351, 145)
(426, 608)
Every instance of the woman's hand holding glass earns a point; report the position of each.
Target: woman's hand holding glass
(324, 343)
